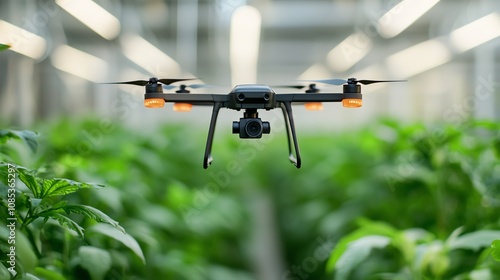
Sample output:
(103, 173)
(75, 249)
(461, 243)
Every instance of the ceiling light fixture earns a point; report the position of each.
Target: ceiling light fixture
(244, 44)
(93, 16)
(79, 63)
(22, 41)
(349, 52)
(404, 14)
(419, 58)
(476, 33)
(149, 57)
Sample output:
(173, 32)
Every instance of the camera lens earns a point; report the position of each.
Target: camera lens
(236, 127)
(254, 128)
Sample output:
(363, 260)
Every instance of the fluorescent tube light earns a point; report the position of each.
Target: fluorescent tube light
(349, 52)
(419, 58)
(22, 41)
(402, 16)
(79, 63)
(93, 16)
(315, 71)
(476, 33)
(149, 57)
(244, 44)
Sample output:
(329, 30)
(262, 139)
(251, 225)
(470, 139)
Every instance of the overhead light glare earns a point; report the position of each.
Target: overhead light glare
(149, 57)
(79, 63)
(244, 44)
(476, 33)
(22, 41)
(93, 16)
(419, 58)
(349, 52)
(404, 14)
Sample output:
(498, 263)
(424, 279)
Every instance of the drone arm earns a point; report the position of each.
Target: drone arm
(195, 99)
(207, 160)
(308, 97)
(286, 107)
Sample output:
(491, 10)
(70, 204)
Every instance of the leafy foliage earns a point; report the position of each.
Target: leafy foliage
(27, 136)
(38, 201)
(388, 201)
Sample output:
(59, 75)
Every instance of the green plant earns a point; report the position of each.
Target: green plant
(419, 253)
(442, 181)
(4, 47)
(29, 209)
(388, 194)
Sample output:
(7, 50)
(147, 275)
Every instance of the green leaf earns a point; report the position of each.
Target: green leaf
(496, 145)
(60, 186)
(92, 213)
(96, 261)
(356, 252)
(67, 223)
(48, 274)
(475, 240)
(27, 276)
(31, 181)
(481, 274)
(495, 252)
(25, 252)
(4, 47)
(42, 188)
(124, 238)
(367, 228)
(28, 137)
(435, 258)
(4, 273)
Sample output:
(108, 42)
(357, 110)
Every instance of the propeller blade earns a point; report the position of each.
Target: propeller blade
(195, 86)
(339, 82)
(137, 83)
(171, 81)
(336, 82)
(289, 86)
(169, 86)
(368, 82)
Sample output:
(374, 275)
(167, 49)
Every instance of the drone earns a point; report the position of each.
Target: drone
(251, 98)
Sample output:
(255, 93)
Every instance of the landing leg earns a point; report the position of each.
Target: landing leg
(207, 160)
(286, 107)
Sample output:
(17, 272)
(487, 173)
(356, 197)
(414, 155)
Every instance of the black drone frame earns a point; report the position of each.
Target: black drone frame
(251, 98)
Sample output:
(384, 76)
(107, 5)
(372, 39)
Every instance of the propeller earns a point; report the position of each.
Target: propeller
(193, 86)
(289, 86)
(153, 80)
(339, 82)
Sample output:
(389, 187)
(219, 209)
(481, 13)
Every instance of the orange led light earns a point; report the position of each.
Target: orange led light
(314, 106)
(182, 107)
(352, 103)
(154, 103)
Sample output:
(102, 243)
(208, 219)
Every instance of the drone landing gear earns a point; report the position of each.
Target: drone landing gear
(207, 160)
(286, 107)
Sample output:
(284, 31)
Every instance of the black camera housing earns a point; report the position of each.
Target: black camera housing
(251, 128)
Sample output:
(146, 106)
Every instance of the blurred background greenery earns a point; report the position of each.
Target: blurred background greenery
(415, 202)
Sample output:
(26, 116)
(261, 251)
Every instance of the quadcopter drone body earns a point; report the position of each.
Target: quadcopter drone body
(251, 98)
